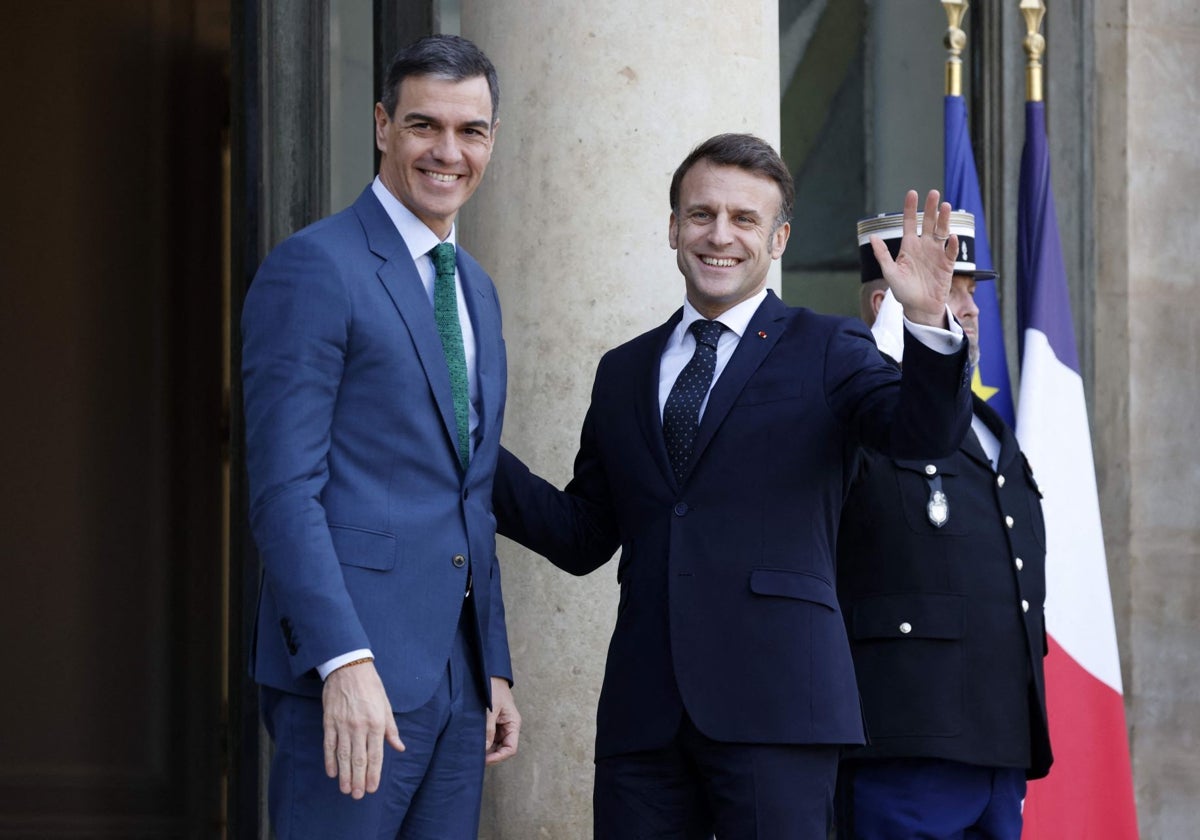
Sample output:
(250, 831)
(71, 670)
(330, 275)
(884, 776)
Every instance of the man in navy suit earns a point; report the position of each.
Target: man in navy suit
(716, 454)
(374, 374)
(941, 578)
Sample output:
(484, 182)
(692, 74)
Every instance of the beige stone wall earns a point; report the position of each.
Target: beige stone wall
(1148, 386)
(599, 105)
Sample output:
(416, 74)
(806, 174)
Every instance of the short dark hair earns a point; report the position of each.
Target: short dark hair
(446, 56)
(744, 151)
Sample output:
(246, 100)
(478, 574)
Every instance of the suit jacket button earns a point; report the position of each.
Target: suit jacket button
(1020, 564)
(905, 627)
(1024, 606)
(930, 469)
(459, 561)
(999, 481)
(681, 509)
(1008, 520)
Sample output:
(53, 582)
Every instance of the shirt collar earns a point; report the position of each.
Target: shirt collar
(736, 319)
(417, 235)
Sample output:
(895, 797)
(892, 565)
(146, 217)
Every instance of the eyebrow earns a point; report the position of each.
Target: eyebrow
(415, 116)
(707, 208)
(736, 211)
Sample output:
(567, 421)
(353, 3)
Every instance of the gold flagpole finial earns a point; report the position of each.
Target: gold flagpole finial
(1035, 45)
(955, 41)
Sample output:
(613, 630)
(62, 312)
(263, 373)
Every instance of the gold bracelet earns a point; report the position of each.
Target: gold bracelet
(362, 661)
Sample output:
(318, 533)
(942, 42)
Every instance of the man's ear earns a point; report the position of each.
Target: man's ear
(381, 125)
(779, 240)
(672, 233)
(877, 297)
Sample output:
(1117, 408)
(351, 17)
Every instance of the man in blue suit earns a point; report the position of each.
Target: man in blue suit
(716, 454)
(374, 375)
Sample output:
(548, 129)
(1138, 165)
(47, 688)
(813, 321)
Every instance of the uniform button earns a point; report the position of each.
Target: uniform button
(930, 469)
(905, 627)
(681, 509)
(459, 561)
(1020, 564)
(1024, 606)
(1008, 520)
(999, 481)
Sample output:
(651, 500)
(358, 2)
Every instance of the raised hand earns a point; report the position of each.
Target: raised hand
(920, 275)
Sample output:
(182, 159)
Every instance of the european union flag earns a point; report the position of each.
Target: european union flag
(991, 382)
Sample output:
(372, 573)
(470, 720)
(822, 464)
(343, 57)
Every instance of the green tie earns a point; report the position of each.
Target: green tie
(445, 310)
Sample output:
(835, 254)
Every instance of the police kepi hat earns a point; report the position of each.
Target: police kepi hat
(890, 228)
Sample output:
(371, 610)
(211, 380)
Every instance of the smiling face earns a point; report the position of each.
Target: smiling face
(725, 234)
(436, 145)
(962, 304)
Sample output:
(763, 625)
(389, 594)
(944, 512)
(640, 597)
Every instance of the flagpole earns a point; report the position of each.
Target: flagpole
(1035, 45)
(955, 41)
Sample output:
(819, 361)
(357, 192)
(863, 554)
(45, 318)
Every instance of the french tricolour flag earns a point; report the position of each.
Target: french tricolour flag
(1089, 792)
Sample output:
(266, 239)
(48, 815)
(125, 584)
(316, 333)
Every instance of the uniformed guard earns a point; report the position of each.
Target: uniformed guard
(941, 577)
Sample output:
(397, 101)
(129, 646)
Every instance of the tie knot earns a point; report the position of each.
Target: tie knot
(443, 259)
(707, 332)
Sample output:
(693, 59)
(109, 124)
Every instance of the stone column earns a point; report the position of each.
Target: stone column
(1147, 392)
(598, 107)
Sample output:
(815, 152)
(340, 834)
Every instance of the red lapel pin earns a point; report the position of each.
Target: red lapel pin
(762, 334)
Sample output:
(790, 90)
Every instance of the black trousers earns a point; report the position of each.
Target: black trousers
(696, 787)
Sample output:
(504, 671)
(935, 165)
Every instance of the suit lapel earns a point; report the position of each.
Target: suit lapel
(403, 284)
(646, 395)
(755, 345)
(485, 323)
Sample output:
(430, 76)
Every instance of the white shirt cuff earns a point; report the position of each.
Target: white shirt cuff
(327, 668)
(946, 342)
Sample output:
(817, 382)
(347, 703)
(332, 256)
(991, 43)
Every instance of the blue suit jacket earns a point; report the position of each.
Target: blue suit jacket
(727, 604)
(366, 524)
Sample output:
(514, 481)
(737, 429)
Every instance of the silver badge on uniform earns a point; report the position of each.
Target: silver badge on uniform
(938, 506)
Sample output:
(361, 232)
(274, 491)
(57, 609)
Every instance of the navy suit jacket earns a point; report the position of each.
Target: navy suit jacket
(727, 606)
(367, 525)
(946, 624)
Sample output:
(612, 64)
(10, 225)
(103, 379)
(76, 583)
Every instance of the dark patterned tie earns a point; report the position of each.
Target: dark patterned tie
(445, 310)
(681, 413)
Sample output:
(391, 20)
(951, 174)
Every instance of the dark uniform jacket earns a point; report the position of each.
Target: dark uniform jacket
(946, 624)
